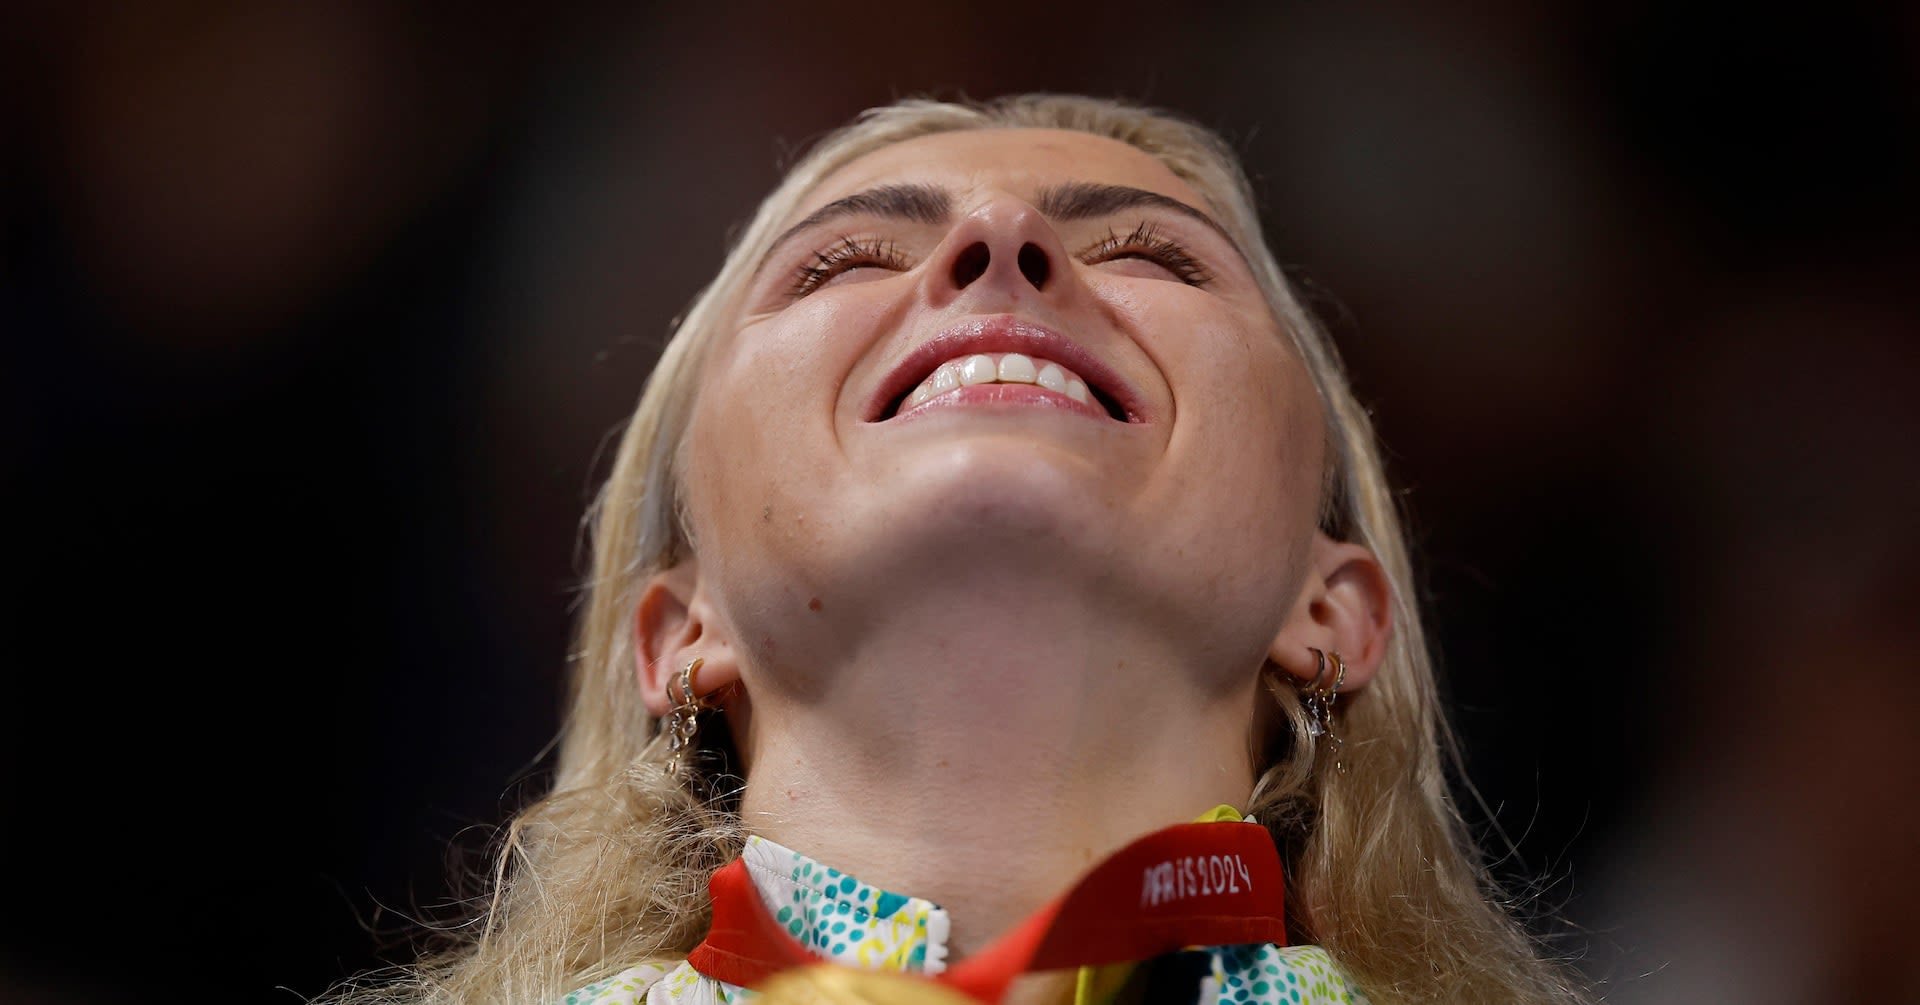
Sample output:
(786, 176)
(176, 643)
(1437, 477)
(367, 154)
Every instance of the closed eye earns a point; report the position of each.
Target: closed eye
(843, 256)
(1148, 244)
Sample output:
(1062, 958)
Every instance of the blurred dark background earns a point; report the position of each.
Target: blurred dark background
(318, 319)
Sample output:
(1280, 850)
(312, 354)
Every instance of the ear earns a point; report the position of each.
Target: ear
(673, 626)
(1345, 606)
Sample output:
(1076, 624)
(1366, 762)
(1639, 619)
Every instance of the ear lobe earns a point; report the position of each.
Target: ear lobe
(672, 626)
(1346, 607)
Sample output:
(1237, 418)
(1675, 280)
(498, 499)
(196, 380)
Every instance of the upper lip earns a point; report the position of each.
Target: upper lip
(1003, 333)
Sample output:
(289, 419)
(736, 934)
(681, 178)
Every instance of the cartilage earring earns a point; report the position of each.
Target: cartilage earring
(1319, 698)
(684, 721)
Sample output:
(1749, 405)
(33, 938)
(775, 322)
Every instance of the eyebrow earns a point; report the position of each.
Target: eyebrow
(915, 203)
(932, 205)
(1079, 200)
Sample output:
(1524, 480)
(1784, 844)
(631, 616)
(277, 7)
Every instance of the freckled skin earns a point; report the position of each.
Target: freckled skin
(1026, 618)
(1239, 446)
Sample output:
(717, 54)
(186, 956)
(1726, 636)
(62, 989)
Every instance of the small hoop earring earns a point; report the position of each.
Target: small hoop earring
(684, 721)
(1316, 717)
(1319, 703)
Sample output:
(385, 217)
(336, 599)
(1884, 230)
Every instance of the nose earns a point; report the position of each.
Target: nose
(1003, 248)
(975, 259)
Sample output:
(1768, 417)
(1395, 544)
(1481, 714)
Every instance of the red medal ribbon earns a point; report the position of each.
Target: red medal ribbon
(1210, 884)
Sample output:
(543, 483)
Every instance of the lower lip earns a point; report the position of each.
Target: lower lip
(1000, 397)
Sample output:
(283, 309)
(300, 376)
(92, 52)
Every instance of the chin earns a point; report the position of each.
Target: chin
(998, 499)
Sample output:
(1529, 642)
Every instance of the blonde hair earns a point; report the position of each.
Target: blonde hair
(610, 869)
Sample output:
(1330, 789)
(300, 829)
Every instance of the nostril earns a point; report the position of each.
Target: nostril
(970, 264)
(1034, 265)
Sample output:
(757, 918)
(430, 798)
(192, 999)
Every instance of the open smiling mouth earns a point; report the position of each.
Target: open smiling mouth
(1028, 380)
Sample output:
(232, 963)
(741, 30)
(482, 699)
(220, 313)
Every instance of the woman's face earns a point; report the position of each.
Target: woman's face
(898, 404)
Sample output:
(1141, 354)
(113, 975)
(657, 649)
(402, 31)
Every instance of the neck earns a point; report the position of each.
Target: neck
(987, 770)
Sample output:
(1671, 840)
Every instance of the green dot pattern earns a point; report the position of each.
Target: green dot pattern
(842, 919)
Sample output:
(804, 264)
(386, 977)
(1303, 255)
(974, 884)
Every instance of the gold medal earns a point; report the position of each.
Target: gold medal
(834, 984)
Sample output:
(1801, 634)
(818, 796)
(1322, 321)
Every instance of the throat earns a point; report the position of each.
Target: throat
(989, 819)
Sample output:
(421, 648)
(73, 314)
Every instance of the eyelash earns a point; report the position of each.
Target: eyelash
(844, 254)
(1145, 242)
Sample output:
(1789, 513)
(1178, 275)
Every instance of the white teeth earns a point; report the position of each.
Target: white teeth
(1052, 378)
(979, 369)
(1016, 368)
(947, 377)
(1008, 368)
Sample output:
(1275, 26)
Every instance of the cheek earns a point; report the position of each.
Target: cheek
(1276, 422)
(796, 363)
(764, 433)
(1254, 433)
(1251, 391)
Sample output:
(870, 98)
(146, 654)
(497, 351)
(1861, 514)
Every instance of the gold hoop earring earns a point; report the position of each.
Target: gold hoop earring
(684, 721)
(1319, 702)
